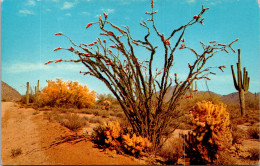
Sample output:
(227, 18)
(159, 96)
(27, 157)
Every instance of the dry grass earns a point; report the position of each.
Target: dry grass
(254, 153)
(70, 120)
(238, 135)
(172, 151)
(225, 158)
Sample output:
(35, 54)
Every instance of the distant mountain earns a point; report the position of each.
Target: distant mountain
(233, 98)
(8, 93)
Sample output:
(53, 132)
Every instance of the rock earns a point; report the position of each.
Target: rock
(8, 93)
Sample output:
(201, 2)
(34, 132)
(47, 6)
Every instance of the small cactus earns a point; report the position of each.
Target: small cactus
(135, 144)
(211, 135)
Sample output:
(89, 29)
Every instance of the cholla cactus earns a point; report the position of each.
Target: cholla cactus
(135, 144)
(112, 133)
(211, 135)
(107, 104)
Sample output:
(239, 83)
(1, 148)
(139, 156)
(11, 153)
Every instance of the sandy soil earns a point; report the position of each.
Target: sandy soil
(35, 135)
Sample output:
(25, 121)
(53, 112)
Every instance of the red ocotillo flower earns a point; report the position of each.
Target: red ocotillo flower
(56, 49)
(100, 19)
(110, 63)
(212, 41)
(104, 41)
(47, 62)
(183, 40)
(71, 49)
(150, 19)
(175, 74)
(105, 15)
(159, 73)
(189, 65)
(187, 96)
(152, 4)
(195, 90)
(220, 67)
(58, 33)
(163, 37)
(135, 42)
(86, 73)
(58, 61)
(89, 24)
(195, 17)
(167, 42)
(91, 44)
(113, 46)
(182, 46)
(224, 45)
(204, 9)
(212, 73)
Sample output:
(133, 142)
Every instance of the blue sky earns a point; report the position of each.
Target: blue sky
(28, 39)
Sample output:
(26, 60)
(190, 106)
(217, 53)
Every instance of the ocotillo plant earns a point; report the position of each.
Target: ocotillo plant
(139, 88)
(241, 84)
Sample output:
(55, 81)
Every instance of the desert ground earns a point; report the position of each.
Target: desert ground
(45, 142)
(35, 136)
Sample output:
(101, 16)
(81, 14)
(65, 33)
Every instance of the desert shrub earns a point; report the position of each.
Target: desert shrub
(211, 135)
(238, 135)
(107, 104)
(253, 132)
(106, 97)
(225, 158)
(70, 94)
(72, 121)
(254, 153)
(111, 135)
(95, 120)
(16, 152)
(172, 151)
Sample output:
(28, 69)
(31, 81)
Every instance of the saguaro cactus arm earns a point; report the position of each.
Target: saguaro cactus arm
(240, 83)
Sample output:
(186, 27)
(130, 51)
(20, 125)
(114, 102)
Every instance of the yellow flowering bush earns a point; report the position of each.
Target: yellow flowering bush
(68, 94)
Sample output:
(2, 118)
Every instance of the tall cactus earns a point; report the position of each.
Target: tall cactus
(27, 93)
(241, 84)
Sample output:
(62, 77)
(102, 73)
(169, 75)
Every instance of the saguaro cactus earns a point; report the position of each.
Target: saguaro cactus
(241, 84)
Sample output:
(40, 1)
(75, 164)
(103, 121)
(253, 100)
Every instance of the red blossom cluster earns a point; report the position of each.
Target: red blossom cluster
(48, 62)
(56, 34)
(89, 24)
(56, 49)
(59, 60)
(182, 46)
(220, 67)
